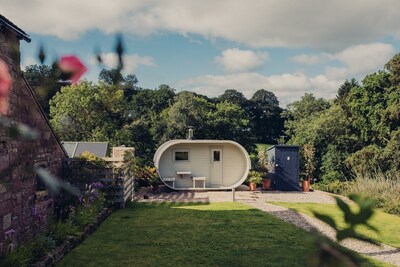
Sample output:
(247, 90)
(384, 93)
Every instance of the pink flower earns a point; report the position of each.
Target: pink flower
(5, 83)
(72, 65)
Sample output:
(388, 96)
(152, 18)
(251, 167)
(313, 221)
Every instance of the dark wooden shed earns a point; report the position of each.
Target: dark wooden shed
(285, 164)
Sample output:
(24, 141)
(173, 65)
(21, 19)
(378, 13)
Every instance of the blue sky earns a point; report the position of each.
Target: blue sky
(287, 47)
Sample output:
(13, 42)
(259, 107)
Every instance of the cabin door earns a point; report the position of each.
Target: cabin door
(216, 177)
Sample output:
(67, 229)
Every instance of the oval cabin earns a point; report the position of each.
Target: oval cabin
(202, 164)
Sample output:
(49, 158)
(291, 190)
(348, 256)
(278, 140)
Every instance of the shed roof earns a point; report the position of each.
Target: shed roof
(21, 34)
(74, 149)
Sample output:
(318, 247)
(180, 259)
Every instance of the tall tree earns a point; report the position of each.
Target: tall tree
(88, 112)
(265, 117)
(45, 83)
(187, 110)
(233, 96)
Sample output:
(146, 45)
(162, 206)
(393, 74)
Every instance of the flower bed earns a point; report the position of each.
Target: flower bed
(72, 241)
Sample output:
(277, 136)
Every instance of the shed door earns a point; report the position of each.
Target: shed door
(216, 177)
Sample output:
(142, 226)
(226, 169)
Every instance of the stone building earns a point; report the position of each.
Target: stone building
(24, 203)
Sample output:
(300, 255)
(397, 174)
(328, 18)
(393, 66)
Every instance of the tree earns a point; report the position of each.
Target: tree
(228, 121)
(187, 110)
(301, 111)
(88, 112)
(112, 76)
(45, 83)
(265, 117)
(233, 96)
(366, 104)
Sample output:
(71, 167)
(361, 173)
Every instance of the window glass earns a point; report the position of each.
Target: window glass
(217, 156)
(181, 155)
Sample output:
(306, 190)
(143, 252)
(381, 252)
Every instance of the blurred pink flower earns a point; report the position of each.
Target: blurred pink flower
(5, 83)
(72, 64)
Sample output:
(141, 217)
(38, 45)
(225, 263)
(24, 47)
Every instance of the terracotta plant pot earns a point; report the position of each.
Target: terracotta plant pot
(253, 186)
(306, 185)
(266, 183)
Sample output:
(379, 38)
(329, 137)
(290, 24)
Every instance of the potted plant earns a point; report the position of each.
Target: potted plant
(264, 166)
(254, 179)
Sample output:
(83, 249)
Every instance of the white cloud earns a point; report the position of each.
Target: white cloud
(27, 62)
(131, 62)
(311, 59)
(287, 87)
(355, 60)
(361, 59)
(333, 24)
(236, 60)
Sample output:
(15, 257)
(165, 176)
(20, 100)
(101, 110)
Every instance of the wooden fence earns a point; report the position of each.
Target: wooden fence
(119, 188)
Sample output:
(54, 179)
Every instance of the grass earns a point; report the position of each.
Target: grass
(217, 234)
(388, 224)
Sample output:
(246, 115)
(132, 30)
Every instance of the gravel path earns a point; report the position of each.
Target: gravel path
(259, 200)
(383, 253)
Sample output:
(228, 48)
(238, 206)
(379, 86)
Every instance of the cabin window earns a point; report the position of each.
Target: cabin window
(181, 155)
(217, 155)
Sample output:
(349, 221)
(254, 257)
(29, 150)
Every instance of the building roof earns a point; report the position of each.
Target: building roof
(74, 149)
(4, 22)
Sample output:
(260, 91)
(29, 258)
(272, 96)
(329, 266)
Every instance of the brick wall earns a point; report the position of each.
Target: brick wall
(22, 208)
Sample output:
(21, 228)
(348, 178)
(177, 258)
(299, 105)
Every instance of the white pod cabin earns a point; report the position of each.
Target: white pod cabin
(202, 164)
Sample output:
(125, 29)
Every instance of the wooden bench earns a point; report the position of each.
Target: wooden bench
(170, 179)
(199, 179)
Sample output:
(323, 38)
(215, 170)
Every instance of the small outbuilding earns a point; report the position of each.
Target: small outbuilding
(202, 164)
(285, 164)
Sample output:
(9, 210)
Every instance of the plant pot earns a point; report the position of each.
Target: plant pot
(306, 185)
(253, 186)
(266, 183)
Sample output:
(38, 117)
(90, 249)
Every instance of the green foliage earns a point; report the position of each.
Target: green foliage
(264, 112)
(28, 253)
(384, 188)
(254, 177)
(88, 112)
(358, 133)
(44, 81)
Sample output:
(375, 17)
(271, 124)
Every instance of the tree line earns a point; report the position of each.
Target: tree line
(357, 132)
(118, 111)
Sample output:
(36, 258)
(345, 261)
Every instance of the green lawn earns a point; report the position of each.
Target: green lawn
(218, 234)
(388, 224)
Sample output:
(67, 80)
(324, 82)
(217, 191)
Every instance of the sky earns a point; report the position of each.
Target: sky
(288, 47)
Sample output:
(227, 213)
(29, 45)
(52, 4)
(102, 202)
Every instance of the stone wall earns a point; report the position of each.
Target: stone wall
(23, 209)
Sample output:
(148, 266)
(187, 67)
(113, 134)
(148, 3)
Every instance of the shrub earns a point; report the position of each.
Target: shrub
(384, 188)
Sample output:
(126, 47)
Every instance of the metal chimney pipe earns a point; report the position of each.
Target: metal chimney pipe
(190, 137)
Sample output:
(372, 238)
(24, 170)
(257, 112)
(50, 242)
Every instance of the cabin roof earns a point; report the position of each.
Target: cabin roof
(4, 22)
